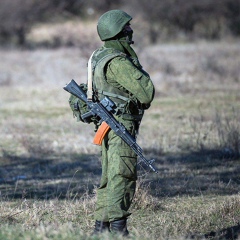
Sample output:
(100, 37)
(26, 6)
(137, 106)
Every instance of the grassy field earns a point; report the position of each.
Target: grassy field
(49, 169)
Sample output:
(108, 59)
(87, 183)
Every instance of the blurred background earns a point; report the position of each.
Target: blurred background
(35, 23)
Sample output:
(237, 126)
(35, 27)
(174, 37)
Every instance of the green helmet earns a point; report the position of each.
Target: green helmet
(111, 23)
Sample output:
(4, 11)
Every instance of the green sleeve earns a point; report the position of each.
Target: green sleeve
(124, 75)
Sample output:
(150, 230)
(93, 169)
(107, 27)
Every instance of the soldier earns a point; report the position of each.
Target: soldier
(118, 74)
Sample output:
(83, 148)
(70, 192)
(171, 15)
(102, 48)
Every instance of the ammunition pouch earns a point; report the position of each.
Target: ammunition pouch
(79, 107)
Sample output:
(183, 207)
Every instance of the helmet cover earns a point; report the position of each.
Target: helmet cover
(111, 23)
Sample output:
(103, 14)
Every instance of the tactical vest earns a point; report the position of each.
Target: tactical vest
(126, 104)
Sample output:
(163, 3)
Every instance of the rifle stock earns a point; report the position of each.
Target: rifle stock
(104, 110)
(74, 89)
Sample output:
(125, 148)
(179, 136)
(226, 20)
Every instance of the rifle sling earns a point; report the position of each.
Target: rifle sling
(90, 79)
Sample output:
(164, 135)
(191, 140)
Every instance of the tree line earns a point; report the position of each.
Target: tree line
(206, 18)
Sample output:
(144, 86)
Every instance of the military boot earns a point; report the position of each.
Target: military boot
(120, 227)
(101, 227)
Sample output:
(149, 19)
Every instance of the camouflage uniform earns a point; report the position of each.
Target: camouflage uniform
(119, 75)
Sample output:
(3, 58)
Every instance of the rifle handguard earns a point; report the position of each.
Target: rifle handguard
(100, 134)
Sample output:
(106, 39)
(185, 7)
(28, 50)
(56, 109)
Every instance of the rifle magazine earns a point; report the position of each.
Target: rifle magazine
(100, 134)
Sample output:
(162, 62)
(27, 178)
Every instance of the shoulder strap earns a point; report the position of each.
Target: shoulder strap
(90, 77)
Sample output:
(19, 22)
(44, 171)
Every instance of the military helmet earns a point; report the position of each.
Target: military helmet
(111, 23)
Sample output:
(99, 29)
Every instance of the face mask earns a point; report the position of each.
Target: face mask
(128, 33)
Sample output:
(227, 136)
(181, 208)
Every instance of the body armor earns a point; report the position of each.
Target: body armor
(125, 102)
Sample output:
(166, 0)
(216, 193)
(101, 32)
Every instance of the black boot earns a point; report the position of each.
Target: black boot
(120, 227)
(101, 227)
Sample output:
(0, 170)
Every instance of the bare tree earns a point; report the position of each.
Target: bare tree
(186, 14)
(233, 15)
(18, 16)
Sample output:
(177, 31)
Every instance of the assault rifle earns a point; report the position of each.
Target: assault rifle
(104, 110)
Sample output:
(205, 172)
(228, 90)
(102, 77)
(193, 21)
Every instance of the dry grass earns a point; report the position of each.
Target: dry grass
(49, 169)
(177, 218)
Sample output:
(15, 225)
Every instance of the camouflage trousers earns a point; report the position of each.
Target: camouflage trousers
(119, 175)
